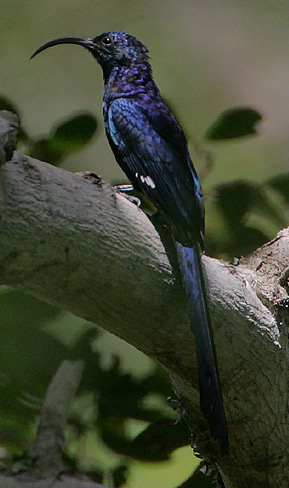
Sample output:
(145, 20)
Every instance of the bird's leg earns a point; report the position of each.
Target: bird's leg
(124, 189)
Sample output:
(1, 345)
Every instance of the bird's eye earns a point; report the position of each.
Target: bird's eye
(107, 41)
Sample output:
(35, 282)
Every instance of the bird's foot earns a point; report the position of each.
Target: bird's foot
(124, 189)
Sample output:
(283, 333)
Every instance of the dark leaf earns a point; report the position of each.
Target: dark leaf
(75, 133)
(234, 200)
(157, 382)
(266, 207)
(119, 476)
(154, 444)
(28, 358)
(197, 480)
(281, 185)
(161, 438)
(14, 434)
(245, 240)
(235, 241)
(44, 150)
(120, 396)
(68, 137)
(233, 123)
(238, 198)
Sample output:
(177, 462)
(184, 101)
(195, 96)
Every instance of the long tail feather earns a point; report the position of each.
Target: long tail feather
(211, 401)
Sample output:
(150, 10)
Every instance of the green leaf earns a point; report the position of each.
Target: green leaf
(236, 199)
(119, 475)
(68, 137)
(44, 151)
(154, 444)
(281, 185)
(28, 358)
(75, 133)
(160, 439)
(233, 123)
(246, 239)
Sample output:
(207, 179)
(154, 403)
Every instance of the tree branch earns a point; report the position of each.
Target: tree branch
(86, 249)
(47, 450)
(47, 469)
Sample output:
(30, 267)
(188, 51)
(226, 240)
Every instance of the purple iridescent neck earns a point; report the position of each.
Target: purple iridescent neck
(128, 81)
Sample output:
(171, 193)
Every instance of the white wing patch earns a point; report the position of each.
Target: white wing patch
(148, 181)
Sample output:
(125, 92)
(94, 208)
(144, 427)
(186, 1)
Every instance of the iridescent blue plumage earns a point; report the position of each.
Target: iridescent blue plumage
(151, 148)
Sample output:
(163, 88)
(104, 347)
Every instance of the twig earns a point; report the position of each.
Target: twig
(47, 450)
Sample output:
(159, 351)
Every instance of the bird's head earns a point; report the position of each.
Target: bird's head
(110, 49)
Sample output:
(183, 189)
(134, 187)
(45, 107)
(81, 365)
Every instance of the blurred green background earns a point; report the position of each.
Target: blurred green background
(207, 56)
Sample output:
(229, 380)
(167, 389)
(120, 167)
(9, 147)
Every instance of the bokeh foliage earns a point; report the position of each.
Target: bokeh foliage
(129, 414)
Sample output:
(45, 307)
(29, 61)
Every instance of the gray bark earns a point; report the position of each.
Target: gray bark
(47, 450)
(86, 249)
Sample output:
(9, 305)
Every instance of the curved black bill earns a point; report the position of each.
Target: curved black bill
(81, 41)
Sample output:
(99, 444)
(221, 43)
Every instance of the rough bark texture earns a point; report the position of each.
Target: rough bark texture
(86, 249)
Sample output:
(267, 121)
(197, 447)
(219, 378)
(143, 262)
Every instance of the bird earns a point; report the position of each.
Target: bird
(150, 146)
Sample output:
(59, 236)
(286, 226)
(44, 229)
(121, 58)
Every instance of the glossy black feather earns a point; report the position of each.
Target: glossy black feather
(151, 148)
(152, 151)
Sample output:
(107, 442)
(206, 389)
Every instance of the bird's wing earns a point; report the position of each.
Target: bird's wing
(153, 153)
